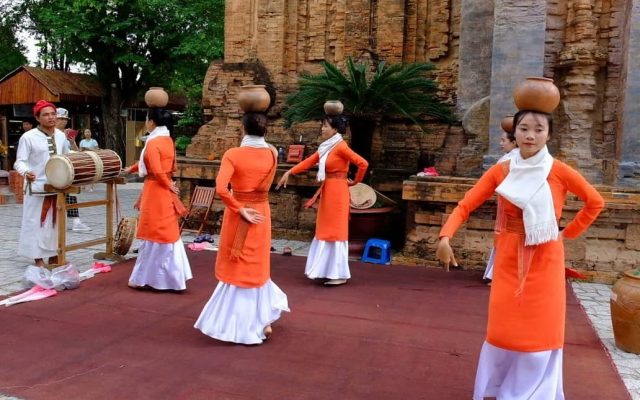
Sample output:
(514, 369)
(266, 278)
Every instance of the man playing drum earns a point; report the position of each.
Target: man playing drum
(38, 234)
(72, 213)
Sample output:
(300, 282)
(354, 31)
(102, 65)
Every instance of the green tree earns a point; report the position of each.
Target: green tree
(12, 51)
(394, 90)
(130, 45)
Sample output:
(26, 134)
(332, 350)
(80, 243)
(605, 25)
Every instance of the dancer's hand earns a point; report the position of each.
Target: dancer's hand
(30, 176)
(283, 180)
(174, 188)
(251, 215)
(444, 253)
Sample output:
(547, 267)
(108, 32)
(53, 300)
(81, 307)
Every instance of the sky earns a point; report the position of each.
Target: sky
(30, 44)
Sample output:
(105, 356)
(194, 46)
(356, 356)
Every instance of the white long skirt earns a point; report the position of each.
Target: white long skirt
(328, 260)
(488, 272)
(162, 266)
(515, 375)
(239, 315)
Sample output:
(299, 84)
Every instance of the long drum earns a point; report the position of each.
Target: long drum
(83, 167)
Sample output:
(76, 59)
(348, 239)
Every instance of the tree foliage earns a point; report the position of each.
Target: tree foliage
(12, 51)
(398, 89)
(129, 44)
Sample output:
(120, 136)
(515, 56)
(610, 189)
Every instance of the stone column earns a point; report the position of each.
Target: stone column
(476, 35)
(629, 142)
(518, 52)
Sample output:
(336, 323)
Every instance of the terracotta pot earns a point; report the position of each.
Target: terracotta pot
(333, 107)
(625, 312)
(156, 97)
(536, 94)
(366, 224)
(507, 124)
(253, 98)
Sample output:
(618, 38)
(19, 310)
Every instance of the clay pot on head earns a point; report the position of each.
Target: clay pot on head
(253, 98)
(507, 124)
(625, 312)
(536, 94)
(156, 97)
(333, 107)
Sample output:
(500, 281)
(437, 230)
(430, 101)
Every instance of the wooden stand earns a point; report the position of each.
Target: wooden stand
(61, 217)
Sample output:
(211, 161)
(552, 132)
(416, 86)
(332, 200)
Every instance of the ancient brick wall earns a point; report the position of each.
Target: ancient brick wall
(586, 51)
(288, 37)
(610, 246)
(584, 56)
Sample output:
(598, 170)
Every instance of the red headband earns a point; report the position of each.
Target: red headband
(40, 105)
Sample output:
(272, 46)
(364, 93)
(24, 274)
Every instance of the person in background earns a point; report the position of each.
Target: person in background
(510, 148)
(27, 125)
(72, 213)
(88, 143)
(38, 232)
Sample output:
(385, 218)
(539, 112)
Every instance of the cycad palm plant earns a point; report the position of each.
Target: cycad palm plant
(393, 90)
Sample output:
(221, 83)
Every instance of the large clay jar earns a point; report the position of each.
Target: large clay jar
(333, 107)
(507, 124)
(156, 97)
(253, 98)
(625, 312)
(536, 94)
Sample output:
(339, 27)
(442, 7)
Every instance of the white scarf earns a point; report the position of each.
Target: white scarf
(526, 186)
(509, 156)
(159, 131)
(323, 150)
(254, 141)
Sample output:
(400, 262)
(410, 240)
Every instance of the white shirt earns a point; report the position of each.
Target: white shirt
(88, 144)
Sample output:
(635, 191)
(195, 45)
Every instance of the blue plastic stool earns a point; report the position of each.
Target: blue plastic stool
(377, 251)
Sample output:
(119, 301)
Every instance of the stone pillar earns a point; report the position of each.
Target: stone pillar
(476, 33)
(240, 30)
(518, 52)
(629, 142)
(390, 30)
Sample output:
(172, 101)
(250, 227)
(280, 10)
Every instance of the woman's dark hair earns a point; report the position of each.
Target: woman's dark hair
(511, 136)
(337, 122)
(523, 113)
(161, 117)
(254, 123)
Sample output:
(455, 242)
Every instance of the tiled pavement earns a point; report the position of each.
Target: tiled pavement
(593, 297)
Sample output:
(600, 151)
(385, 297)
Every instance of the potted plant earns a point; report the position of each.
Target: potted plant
(398, 90)
(369, 99)
(181, 144)
(625, 311)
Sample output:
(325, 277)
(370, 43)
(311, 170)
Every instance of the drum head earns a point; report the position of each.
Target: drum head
(59, 172)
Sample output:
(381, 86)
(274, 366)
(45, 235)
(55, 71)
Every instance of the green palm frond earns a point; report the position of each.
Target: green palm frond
(397, 89)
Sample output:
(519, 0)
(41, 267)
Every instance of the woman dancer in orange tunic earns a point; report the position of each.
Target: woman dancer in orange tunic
(521, 357)
(510, 148)
(329, 252)
(245, 302)
(162, 261)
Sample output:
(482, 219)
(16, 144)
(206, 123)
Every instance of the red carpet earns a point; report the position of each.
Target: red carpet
(390, 333)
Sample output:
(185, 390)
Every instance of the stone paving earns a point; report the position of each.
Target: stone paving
(594, 298)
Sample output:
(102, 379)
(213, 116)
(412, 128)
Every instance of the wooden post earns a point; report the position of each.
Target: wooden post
(61, 223)
(110, 200)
